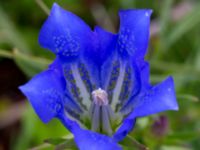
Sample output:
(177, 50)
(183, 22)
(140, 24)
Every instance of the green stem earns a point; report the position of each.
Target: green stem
(131, 142)
(188, 97)
(39, 60)
(6, 53)
(167, 66)
(17, 54)
(43, 6)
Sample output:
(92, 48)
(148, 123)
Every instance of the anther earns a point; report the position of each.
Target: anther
(100, 97)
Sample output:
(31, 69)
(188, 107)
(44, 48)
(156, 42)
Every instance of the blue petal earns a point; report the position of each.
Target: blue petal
(65, 34)
(145, 74)
(105, 45)
(142, 85)
(154, 100)
(134, 32)
(45, 93)
(69, 102)
(125, 128)
(48, 94)
(158, 98)
(56, 67)
(121, 79)
(105, 54)
(88, 140)
(109, 68)
(86, 71)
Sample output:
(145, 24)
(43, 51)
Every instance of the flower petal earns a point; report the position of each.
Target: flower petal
(124, 129)
(144, 84)
(88, 140)
(65, 34)
(158, 98)
(102, 51)
(121, 79)
(105, 53)
(134, 32)
(48, 94)
(105, 45)
(45, 93)
(144, 73)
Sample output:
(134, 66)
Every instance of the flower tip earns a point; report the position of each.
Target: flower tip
(171, 88)
(55, 5)
(148, 12)
(132, 12)
(55, 8)
(176, 107)
(22, 88)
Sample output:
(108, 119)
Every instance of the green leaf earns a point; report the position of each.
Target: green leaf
(181, 137)
(189, 135)
(164, 21)
(43, 147)
(34, 131)
(10, 34)
(31, 65)
(185, 25)
(61, 143)
(174, 148)
(55, 141)
(43, 6)
(6, 54)
(129, 143)
(188, 97)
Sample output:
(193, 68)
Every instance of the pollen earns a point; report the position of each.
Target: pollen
(100, 97)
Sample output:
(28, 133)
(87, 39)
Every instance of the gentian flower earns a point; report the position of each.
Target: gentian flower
(99, 82)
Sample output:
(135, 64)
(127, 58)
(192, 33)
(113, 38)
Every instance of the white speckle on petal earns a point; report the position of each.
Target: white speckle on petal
(169, 89)
(147, 14)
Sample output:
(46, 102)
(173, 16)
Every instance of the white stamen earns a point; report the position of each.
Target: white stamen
(96, 119)
(118, 86)
(100, 97)
(79, 82)
(106, 124)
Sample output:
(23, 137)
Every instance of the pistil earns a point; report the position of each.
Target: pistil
(101, 112)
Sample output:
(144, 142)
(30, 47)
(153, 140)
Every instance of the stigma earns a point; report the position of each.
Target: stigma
(100, 97)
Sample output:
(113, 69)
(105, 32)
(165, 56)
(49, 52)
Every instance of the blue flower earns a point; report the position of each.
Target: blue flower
(99, 82)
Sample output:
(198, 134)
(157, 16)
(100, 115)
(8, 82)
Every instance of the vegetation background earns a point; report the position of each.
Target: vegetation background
(174, 50)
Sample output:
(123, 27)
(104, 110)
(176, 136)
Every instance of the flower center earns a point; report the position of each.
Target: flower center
(100, 97)
(96, 108)
(103, 118)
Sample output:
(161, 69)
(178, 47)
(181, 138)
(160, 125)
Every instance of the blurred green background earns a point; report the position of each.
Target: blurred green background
(174, 49)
